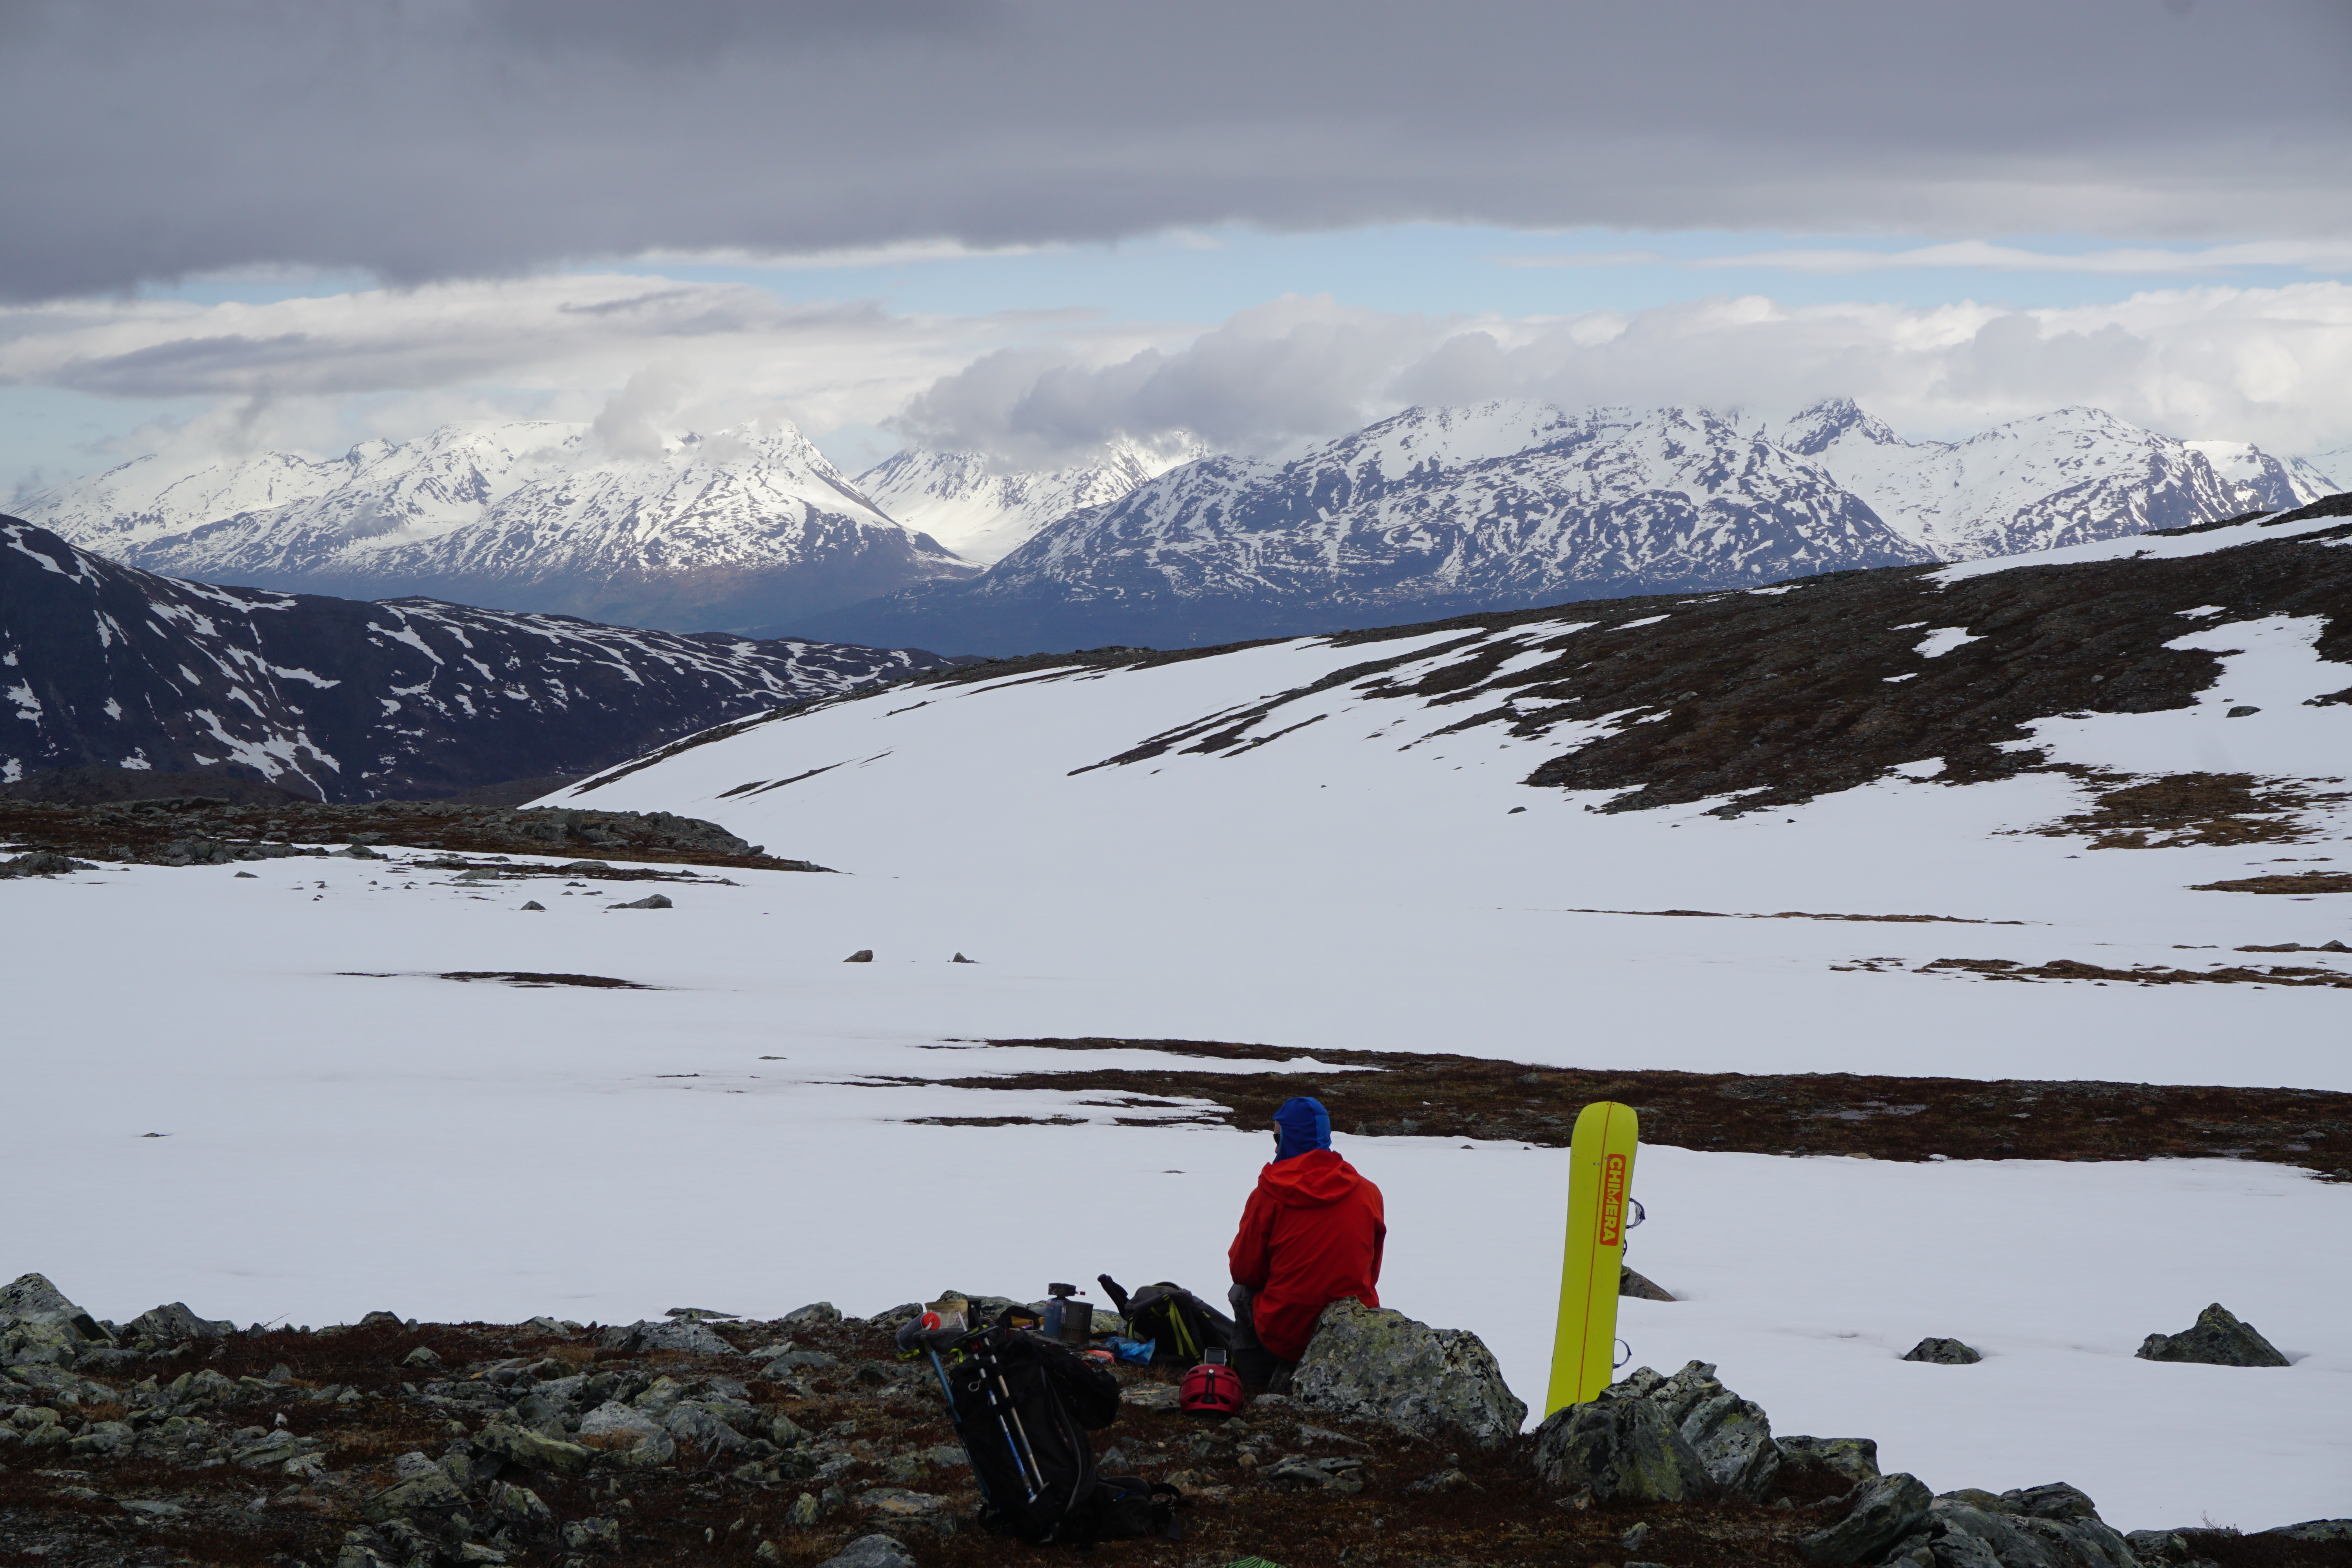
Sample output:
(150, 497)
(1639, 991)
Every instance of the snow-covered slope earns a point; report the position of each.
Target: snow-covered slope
(984, 515)
(1432, 512)
(2259, 481)
(2056, 479)
(105, 664)
(745, 527)
(2332, 464)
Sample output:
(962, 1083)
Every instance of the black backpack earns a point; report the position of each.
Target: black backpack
(1023, 1407)
(1178, 1323)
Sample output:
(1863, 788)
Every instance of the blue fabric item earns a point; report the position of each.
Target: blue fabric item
(1305, 1127)
(1135, 1353)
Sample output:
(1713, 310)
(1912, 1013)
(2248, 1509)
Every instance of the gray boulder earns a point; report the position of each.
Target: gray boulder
(2053, 1499)
(695, 1423)
(1944, 1353)
(1884, 1512)
(2218, 1338)
(174, 1323)
(42, 863)
(39, 1326)
(810, 1316)
(1732, 1437)
(614, 1424)
(650, 902)
(2159, 1545)
(2065, 1532)
(2315, 1530)
(1374, 1364)
(1856, 1458)
(642, 1336)
(1620, 1446)
(533, 1450)
(869, 1552)
(1629, 1283)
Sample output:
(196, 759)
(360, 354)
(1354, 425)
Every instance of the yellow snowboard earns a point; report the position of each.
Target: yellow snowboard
(1599, 1183)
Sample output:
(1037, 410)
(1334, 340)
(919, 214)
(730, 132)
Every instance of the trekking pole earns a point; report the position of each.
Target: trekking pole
(1008, 1421)
(956, 1421)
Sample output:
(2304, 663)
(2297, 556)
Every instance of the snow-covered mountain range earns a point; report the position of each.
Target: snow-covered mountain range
(2062, 477)
(1438, 512)
(742, 526)
(101, 663)
(984, 514)
(1431, 513)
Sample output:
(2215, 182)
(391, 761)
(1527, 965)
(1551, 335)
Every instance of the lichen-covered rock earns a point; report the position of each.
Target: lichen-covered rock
(811, 1315)
(1856, 1458)
(427, 1492)
(2315, 1530)
(1374, 1364)
(1964, 1535)
(615, 1420)
(518, 1506)
(2157, 1545)
(693, 1422)
(534, 1449)
(1944, 1353)
(870, 1552)
(2053, 1499)
(1620, 1446)
(172, 1323)
(642, 1337)
(1887, 1510)
(1732, 1436)
(39, 1327)
(2218, 1338)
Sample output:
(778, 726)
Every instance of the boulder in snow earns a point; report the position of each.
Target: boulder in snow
(2218, 1338)
(1944, 1353)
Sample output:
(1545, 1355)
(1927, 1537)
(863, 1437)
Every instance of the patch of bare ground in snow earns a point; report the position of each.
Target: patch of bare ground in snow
(1390, 1094)
(2173, 810)
(2300, 883)
(166, 831)
(2146, 974)
(1801, 915)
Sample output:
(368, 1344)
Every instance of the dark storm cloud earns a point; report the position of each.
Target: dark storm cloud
(441, 137)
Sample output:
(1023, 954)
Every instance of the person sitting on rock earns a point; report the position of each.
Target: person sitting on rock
(1311, 1235)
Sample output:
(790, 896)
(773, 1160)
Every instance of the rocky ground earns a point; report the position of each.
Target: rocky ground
(172, 1440)
(199, 830)
(1377, 1093)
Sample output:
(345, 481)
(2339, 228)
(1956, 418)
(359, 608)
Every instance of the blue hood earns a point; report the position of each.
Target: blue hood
(1305, 1126)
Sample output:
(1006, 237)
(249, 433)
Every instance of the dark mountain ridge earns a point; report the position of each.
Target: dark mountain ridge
(343, 700)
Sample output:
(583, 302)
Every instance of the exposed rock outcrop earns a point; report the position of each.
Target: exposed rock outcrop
(1374, 1364)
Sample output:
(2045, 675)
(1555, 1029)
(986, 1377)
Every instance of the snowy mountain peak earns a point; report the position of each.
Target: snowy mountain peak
(2066, 477)
(983, 513)
(1811, 431)
(746, 526)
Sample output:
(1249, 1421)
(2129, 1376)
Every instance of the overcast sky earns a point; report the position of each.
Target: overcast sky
(299, 221)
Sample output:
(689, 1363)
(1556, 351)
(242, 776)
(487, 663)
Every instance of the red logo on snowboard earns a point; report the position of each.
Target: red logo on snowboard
(1613, 1201)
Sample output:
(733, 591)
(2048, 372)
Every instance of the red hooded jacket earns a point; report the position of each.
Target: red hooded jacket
(1311, 1233)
